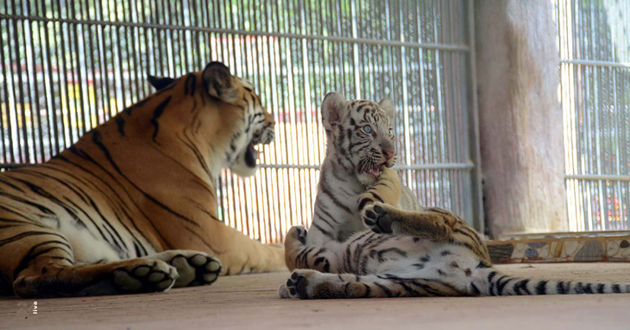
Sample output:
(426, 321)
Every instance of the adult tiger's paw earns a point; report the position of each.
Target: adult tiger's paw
(377, 217)
(144, 275)
(197, 269)
(194, 267)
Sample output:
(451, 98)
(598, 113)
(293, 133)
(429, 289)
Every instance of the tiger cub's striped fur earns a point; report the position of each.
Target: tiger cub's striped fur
(132, 206)
(410, 250)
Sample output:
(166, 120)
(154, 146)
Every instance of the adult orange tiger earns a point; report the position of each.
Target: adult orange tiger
(132, 206)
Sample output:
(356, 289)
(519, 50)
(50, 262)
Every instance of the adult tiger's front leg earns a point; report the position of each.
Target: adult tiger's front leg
(45, 267)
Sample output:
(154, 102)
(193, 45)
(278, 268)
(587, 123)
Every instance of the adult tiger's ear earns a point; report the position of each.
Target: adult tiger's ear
(387, 105)
(159, 83)
(333, 109)
(220, 83)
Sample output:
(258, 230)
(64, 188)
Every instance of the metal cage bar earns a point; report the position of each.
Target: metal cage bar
(68, 66)
(595, 97)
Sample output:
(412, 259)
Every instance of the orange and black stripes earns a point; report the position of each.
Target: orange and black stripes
(140, 183)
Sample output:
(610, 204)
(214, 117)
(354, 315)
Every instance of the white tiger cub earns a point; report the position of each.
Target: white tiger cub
(422, 252)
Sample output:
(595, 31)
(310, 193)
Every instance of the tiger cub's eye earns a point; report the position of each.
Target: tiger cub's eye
(367, 129)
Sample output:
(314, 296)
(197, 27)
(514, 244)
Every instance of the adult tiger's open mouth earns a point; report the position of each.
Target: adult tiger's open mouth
(251, 155)
(246, 163)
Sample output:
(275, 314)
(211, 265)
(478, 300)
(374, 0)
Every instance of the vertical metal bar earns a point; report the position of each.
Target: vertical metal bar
(5, 101)
(91, 88)
(36, 130)
(477, 193)
(120, 63)
(71, 51)
(70, 117)
(423, 109)
(405, 88)
(105, 48)
(137, 72)
(103, 80)
(19, 97)
(9, 92)
(355, 50)
(148, 41)
(49, 89)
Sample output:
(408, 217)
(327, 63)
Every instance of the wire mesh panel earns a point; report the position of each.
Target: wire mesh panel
(595, 94)
(70, 65)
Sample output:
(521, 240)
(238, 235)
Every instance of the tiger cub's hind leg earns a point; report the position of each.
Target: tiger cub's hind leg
(294, 245)
(311, 284)
(194, 267)
(298, 255)
(434, 223)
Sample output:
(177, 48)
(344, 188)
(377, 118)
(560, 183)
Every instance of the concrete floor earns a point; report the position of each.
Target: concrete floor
(251, 302)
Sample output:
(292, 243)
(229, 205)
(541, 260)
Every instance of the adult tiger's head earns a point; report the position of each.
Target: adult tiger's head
(231, 115)
(360, 135)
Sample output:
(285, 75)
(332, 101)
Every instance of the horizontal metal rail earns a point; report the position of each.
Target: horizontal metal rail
(597, 177)
(10, 166)
(437, 166)
(437, 46)
(597, 63)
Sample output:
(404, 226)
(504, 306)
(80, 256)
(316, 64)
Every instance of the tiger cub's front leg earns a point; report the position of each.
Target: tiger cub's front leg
(298, 255)
(434, 223)
(387, 189)
(378, 212)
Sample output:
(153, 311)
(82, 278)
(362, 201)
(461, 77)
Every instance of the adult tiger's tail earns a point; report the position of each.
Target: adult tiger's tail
(491, 282)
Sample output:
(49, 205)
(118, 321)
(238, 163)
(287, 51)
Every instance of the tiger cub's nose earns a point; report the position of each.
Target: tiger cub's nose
(389, 154)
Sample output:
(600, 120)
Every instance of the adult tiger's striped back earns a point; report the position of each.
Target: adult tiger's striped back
(410, 250)
(132, 206)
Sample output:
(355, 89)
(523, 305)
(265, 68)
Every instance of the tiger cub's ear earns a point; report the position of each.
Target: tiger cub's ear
(334, 108)
(158, 82)
(220, 83)
(387, 105)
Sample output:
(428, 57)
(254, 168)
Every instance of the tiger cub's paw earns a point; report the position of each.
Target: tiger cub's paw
(146, 275)
(299, 285)
(377, 217)
(194, 267)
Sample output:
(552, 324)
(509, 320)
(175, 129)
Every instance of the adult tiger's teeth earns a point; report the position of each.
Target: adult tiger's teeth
(255, 150)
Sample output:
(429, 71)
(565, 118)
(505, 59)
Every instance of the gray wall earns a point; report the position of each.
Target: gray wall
(520, 119)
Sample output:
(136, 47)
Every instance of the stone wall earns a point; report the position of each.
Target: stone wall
(563, 248)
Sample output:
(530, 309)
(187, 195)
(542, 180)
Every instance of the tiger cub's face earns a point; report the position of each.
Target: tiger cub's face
(360, 133)
(236, 118)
